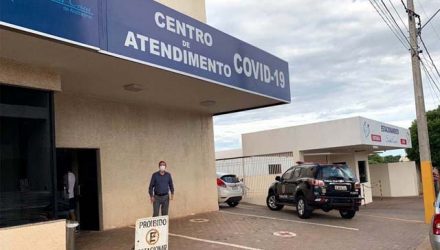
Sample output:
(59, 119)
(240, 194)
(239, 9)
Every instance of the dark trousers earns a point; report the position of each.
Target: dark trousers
(161, 202)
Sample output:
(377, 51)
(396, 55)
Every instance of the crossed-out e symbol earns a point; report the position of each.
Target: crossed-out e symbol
(152, 237)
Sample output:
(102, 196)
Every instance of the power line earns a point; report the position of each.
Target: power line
(395, 28)
(431, 82)
(431, 25)
(390, 19)
(432, 91)
(429, 70)
(429, 55)
(429, 75)
(395, 10)
(388, 23)
(434, 95)
(429, 20)
(429, 67)
(394, 20)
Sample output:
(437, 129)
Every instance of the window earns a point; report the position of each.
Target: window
(288, 174)
(336, 172)
(230, 179)
(274, 168)
(27, 190)
(362, 171)
(297, 172)
(307, 172)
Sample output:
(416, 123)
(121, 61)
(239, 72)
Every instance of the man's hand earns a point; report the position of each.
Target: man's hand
(172, 197)
(151, 199)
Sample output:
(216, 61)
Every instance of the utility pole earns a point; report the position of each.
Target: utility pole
(422, 126)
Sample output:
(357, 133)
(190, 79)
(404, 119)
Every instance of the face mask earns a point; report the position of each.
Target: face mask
(162, 168)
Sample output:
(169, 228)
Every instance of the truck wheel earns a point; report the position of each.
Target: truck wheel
(232, 203)
(303, 209)
(347, 214)
(271, 202)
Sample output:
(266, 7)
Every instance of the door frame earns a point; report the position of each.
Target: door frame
(99, 179)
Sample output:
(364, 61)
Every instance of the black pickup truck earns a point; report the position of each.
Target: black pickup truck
(313, 186)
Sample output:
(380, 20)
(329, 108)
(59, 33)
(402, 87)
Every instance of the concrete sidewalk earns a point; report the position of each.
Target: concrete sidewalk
(386, 224)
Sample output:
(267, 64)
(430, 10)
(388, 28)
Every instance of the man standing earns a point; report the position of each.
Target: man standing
(161, 185)
(69, 184)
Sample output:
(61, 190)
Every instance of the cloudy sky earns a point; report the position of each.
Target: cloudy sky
(344, 61)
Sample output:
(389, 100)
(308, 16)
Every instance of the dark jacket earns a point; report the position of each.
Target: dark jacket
(161, 184)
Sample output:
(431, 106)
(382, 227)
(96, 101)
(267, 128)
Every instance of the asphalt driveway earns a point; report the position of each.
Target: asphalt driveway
(385, 224)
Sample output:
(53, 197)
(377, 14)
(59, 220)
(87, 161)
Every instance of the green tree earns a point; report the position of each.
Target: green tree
(391, 158)
(433, 118)
(377, 159)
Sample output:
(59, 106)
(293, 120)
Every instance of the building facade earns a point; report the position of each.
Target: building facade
(398, 179)
(345, 141)
(109, 90)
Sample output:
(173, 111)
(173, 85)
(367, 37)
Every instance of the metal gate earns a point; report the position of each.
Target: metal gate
(256, 172)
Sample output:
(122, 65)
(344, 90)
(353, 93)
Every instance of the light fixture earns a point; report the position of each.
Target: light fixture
(133, 87)
(208, 103)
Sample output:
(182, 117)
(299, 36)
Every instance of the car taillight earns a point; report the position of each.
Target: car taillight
(436, 225)
(316, 183)
(220, 183)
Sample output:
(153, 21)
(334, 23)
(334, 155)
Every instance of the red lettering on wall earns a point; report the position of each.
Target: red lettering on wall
(377, 138)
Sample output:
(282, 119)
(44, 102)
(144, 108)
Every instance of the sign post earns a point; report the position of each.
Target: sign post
(152, 233)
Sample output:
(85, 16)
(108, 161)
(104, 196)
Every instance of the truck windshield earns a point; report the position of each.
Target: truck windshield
(335, 172)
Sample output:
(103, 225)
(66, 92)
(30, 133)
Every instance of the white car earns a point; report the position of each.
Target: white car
(230, 189)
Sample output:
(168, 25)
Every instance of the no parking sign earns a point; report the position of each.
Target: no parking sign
(152, 233)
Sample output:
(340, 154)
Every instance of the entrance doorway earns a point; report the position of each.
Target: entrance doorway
(84, 164)
(362, 171)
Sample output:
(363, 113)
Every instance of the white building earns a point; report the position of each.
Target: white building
(347, 141)
(398, 179)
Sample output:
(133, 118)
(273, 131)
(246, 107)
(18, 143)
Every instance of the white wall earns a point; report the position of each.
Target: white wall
(227, 154)
(257, 189)
(380, 179)
(343, 133)
(132, 140)
(330, 134)
(403, 179)
(49, 235)
(396, 179)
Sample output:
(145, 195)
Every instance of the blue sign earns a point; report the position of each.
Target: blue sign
(151, 32)
(75, 20)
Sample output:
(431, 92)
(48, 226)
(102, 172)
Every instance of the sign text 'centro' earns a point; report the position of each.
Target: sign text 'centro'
(151, 33)
(241, 64)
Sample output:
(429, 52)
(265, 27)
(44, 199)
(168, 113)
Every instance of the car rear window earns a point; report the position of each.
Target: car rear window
(230, 179)
(336, 172)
